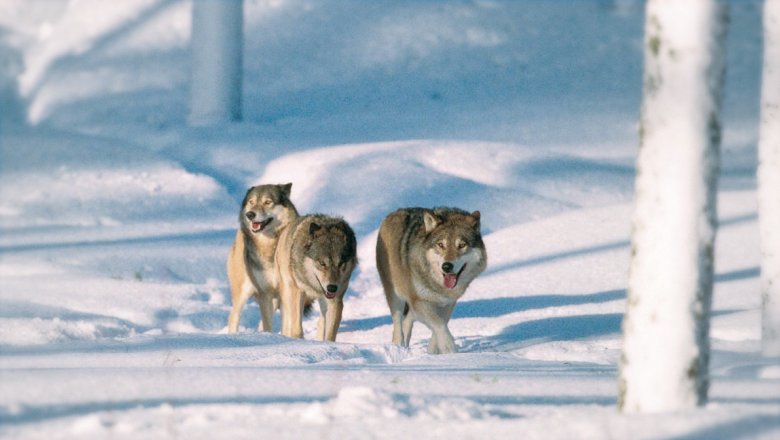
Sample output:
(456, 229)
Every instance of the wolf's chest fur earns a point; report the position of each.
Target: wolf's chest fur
(264, 277)
(259, 259)
(426, 290)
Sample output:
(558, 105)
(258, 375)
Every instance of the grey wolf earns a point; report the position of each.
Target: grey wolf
(265, 213)
(426, 259)
(315, 259)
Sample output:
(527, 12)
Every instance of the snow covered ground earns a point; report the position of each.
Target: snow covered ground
(116, 219)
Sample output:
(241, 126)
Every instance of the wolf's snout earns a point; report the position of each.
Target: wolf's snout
(447, 267)
(251, 215)
(330, 291)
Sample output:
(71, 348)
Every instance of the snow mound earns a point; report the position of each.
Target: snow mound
(107, 197)
(509, 183)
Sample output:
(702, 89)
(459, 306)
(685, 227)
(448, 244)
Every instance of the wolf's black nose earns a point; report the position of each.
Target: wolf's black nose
(332, 288)
(251, 215)
(447, 267)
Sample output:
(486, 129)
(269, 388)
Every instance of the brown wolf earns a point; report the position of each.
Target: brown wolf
(315, 259)
(426, 259)
(265, 213)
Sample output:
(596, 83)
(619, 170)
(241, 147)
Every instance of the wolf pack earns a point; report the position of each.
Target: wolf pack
(426, 259)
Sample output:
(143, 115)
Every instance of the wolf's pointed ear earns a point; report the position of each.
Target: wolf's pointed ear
(246, 196)
(286, 188)
(475, 216)
(313, 228)
(431, 221)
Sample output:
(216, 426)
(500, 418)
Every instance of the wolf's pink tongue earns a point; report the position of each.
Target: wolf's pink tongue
(256, 225)
(450, 280)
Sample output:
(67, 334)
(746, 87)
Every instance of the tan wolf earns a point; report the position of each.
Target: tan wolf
(315, 259)
(426, 259)
(265, 213)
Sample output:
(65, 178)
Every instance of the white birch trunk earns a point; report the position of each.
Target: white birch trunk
(665, 359)
(769, 181)
(10, 104)
(217, 45)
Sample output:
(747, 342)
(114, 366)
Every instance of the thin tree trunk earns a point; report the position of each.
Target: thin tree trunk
(664, 365)
(217, 45)
(769, 181)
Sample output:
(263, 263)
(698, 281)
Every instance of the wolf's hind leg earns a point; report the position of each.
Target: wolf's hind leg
(408, 322)
(397, 307)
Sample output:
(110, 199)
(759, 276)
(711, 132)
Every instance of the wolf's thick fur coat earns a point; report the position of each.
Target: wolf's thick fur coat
(265, 213)
(426, 259)
(315, 259)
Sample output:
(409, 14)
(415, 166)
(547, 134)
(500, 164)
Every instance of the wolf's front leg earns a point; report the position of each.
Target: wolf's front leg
(436, 318)
(330, 318)
(445, 341)
(240, 295)
(321, 322)
(442, 341)
(292, 312)
(267, 308)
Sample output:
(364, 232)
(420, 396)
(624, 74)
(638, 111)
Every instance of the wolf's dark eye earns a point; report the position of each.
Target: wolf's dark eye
(440, 245)
(268, 203)
(461, 245)
(323, 264)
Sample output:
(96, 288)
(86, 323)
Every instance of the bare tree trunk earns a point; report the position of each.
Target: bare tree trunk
(664, 365)
(769, 181)
(11, 108)
(217, 45)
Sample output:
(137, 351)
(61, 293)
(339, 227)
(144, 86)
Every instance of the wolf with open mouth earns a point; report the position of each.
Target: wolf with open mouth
(426, 259)
(265, 213)
(315, 259)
